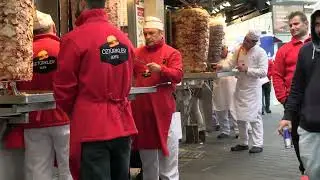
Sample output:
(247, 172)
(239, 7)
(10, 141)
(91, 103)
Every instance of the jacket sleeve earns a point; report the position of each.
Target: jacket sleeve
(261, 68)
(279, 77)
(65, 82)
(297, 90)
(173, 71)
(270, 69)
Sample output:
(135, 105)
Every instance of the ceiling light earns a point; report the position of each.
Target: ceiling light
(221, 7)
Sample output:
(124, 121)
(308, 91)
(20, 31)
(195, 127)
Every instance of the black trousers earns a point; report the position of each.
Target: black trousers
(106, 160)
(266, 90)
(295, 141)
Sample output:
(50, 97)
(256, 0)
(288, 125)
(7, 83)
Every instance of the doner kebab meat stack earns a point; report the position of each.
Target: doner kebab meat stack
(16, 28)
(191, 37)
(216, 39)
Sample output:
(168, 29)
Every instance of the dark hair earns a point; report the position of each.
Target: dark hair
(302, 16)
(96, 4)
(42, 31)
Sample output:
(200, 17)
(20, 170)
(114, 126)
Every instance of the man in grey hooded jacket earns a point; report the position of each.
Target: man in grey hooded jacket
(304, 101)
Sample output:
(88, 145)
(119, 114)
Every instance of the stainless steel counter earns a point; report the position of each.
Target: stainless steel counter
(15, 108)
(208, 75)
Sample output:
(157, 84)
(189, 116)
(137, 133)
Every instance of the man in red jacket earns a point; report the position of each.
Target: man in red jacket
(47, 133)
(286, 57)
(92, 85)
(285, 65)
(154, 113)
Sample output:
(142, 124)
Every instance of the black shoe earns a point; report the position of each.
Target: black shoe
(240, 148)
(262, 113)
(256, 150)
(218, 128)
(202, 136)
(268, 111)
(223, 136)
(236, 136)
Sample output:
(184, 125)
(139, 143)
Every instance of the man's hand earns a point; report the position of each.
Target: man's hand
(154, 67)
(283, 124)
(216, 67)
(242, 68)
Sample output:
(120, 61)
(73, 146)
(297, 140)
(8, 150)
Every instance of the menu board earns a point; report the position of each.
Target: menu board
(139, 22)
(280, 17)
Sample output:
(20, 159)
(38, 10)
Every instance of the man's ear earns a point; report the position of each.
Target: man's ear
(161, 33)
(54, 29)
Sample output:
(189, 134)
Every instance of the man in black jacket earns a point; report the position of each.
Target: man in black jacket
(304, 101)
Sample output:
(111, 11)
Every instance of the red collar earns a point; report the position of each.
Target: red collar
(295, 41)
(91, 15)
(155, 46)
(48, 35)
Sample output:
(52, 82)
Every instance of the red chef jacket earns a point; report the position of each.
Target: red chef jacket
(93, 81)
(284, 67)
(45, 53)
(153, 112)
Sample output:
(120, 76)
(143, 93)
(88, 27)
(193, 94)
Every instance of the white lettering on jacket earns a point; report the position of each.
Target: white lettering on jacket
(41, 63)
(114, 51)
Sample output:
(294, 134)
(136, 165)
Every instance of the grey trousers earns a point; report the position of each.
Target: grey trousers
(309, 144)
(42, 146)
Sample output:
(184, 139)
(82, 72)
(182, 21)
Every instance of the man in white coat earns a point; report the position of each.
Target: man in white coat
(223, 100)
(252, 62)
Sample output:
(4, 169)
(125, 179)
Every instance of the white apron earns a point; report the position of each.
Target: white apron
(223, 93)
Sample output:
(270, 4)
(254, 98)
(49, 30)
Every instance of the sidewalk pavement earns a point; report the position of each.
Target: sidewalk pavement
(214, 161)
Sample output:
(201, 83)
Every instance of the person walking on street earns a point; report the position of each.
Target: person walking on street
(266, 89)
(92, 86)
(285, 65)
(304, 102)
(252, 62)
(154, 114)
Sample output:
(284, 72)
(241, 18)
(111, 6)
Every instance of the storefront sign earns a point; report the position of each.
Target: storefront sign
(140, 22)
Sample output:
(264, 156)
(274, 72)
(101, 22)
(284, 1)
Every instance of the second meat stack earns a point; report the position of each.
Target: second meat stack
(191, 27)
(216, 39)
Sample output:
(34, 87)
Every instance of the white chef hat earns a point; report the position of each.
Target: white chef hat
(42, 21)
(254, 35)
(153, 23)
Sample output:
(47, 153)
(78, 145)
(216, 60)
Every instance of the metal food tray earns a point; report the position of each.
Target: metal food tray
(208, 75)
(142, 90)
(16, 109)
(27, 98)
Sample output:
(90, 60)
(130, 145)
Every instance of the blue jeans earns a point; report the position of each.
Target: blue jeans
(310, 153)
